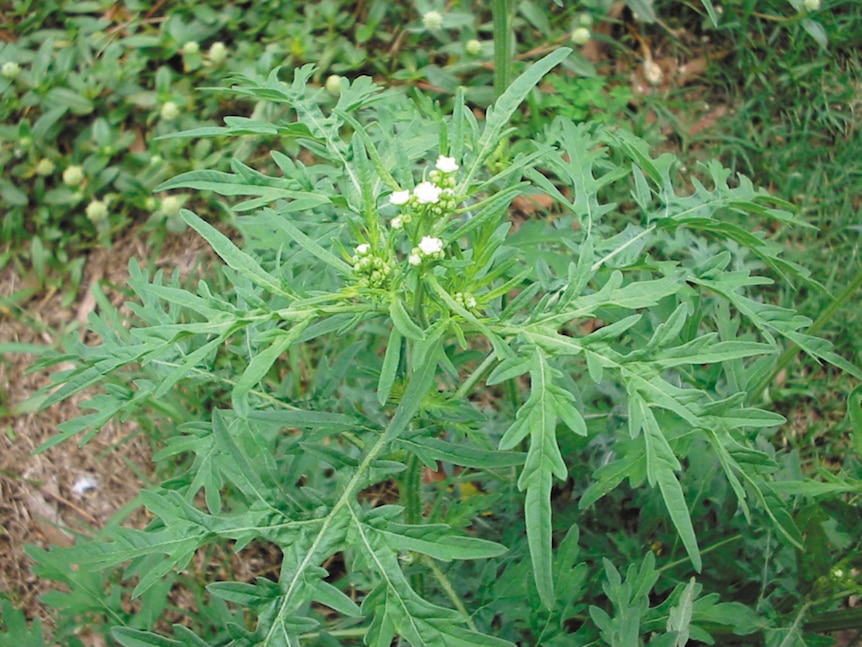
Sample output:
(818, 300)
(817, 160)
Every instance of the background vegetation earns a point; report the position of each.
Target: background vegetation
(93, 92)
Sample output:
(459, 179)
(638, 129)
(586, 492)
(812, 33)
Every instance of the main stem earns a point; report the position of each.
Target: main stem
(504, 44)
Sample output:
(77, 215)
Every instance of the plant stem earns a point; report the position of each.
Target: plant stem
(791, 351)
(504, 44)
(447, 587)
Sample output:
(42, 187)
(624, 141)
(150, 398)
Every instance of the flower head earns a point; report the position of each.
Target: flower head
(399, 198)
(171, 206)
(45, 167)
(414, 259)
(473, 47)
(170, 111)
(191, 48)
(581, 36)
(811, 5)
(333, 84)
(218, 53)
(446, 164)
(397, 222)
(432, 20)
(10, 69)
(427, 193)
(73, 176)
(97, 211)
(363, 249)
(430, 246)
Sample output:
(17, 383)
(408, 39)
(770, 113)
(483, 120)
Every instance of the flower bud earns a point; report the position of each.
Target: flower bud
(333, 84)
(10, 69)
(45, 167)
(73, 176)
(191, 48)
(170, 111)
(218, 53)
(97, 211)
(473, 47)
(171, 205)
(432, 20)
(581, 36)
(811, 5)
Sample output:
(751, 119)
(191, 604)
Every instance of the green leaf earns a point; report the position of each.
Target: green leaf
(402, 321)
(497, 117)
(463, 454)
(390, 366)
(679, 618)
(232, 255)
(280, 223)
(136, 638)
(447, 547)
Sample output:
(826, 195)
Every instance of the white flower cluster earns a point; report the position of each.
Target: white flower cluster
(428, 247)
(435, 196)
(374, 271)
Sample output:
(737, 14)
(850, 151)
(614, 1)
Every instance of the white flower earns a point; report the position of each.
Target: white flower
(10, 69)
(191, 48)
(581, 36)
(218, 53)
(73, 176)
(446, 164)
(333, 84)
(397, 222)
(432, 20)
(414, 259)
(429, 246)
(170, 111)
(811, 5)
(473, 47)
(363, 249)
(399, 198)
(585, 20)
(427, 193)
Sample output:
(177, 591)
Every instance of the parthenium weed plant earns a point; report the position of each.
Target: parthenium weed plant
(386, 323)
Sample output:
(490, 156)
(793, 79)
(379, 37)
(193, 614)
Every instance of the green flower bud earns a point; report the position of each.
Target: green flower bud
(45, 167)
(73, 176)
(581, 36)
(218, 53)
(10, 69)
(97, 211)
(170, 111)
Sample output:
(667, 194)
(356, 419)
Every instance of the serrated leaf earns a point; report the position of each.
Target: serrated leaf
(232, 255)
(464, 454)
